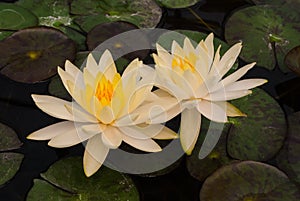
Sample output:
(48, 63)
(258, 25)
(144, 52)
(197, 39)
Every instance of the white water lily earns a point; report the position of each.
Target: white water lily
(103, 110)
(196, 77)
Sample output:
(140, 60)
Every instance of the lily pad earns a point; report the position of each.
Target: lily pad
(288, 159)
(9, 162)
(5, 34)
(202, 168)
(248, 181)
(292, 60)
(264, 31)
(65, 180)
(14, 17)
(32, 55)
(102, 32)
(261, 134)
(144, 13)
(177, 3)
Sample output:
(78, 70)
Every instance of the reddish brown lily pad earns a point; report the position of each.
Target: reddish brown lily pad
(33, 54)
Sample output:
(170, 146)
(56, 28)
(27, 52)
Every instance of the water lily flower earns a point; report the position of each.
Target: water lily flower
(102, 111)
(196, 76)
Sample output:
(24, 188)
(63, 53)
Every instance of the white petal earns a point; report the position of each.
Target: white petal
(106, 115)
(245, 84)
(166, 134)
(237, 74)
(133, 66)
(51, 131)
(213, 111)
(71, 137)
(147, 145)
(93, 128)
(94, 155)
(188, 47)
(107, 65)
(222, 95)
(112, 137)
(163, 53)
(79, 114)
(232, 111)
(209, 42)
(91, 64)
(72, 69)
(189, 129)
(229, 58)
(177, 50)
(144, 131)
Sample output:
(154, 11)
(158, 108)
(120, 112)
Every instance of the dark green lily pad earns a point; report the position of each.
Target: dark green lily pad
(13, 17)
(261, 134)
(202, 168)
(5, 34)
(32, 55)
(65, 180)
(177, 3)
(102, 32)
(288, 159)
(269, 2)
(9, 162)
(166, 39)
(248, 181)
(264, 30)
(292, 60)
(144, 13)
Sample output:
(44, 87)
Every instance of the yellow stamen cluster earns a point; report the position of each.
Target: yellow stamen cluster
(182, 63)
(105, 89)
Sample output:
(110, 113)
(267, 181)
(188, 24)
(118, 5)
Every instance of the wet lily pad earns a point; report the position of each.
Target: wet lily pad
(144, 13)
(248, 181)
(261, 134)
(13, 17)
(5, 34)
(264, 31)
(177, 3)
(9, 162)
(292, 60)
(202, 168)
(102, 32)
(288, 159)
(65, 180)
(32, 55)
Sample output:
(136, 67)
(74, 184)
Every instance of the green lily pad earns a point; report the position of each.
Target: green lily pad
(166, 39)
(13, 17)
(5, 34)
(102, 32)
(269, 2)
(248, 181)
(202, 168)
(9, 162)
(65, 180)
(177, 3)
(261, 134)
(264, 30)
(292, 60)
(33, 54)
(288, 159)
(144, 13)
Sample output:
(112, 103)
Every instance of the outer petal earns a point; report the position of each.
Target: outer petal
(147, 145)
(94, 155)
(51, 131)
(112, 137)
(213, 111)
(71, 137)
(226, 95)
(166, 134)
(107, 65)
(245, 84)
(189, 129)
(232, 111)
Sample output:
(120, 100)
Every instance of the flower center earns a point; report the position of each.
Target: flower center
(182, 63)
(105, 89)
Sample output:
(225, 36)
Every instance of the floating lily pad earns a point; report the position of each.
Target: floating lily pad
(9, 162)
(248, 181)
(288, 159)
(177, 3)
(202, 168)
(120, 45)
(33, 54)
(269, 2)
(13, 17)
(144, 13)
(166, 39)
(65, 180)
(292, 60)
(5, 34)
(261, 134)
(264, 30)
